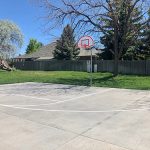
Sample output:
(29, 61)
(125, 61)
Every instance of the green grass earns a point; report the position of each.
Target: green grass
(76, 78)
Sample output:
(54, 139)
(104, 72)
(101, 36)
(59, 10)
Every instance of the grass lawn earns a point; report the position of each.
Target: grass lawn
(76, 78)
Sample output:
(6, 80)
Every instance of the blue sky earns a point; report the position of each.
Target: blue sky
(26, 15)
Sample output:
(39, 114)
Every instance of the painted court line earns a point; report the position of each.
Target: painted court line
(32, 97)
(77, 111)
(83, 96)
(59, 102)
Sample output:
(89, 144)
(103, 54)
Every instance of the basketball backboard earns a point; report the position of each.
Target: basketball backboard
(86, 42)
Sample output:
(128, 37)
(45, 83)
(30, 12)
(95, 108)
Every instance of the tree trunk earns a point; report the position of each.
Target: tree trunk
(116, 65)
(116, 56)
(4, 65)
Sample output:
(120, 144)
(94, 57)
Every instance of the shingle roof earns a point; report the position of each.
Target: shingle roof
(47, 51)
(84, 52)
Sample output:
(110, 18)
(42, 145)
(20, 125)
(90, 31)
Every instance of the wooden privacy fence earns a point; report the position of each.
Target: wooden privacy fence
(54, 65)
(125, 67)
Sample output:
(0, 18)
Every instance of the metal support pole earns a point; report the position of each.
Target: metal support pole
(91, 69)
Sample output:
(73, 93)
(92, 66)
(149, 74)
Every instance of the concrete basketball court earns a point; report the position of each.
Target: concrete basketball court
(37, 116)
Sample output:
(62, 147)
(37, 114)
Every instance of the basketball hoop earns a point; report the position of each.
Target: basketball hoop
(86, 42)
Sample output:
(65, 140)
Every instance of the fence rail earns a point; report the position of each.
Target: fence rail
(125, 67)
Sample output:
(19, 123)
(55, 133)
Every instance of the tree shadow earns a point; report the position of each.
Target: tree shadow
(104, 79)
(69, 81)
(98, 81)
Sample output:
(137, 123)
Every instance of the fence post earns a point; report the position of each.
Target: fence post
(88, 66)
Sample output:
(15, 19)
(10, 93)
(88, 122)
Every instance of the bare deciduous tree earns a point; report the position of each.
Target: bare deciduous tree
(86, 16)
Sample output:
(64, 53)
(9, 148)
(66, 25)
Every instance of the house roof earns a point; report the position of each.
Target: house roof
(84, 52)
(46, 52)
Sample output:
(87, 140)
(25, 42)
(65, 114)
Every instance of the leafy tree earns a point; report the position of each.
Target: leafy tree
(128, 32)
(11, 38)
(33, 46)
(66, 48)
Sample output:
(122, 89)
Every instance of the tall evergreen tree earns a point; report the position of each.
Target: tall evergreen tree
(145, 41)
(66, 48)
(128, 31)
